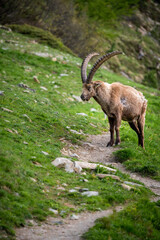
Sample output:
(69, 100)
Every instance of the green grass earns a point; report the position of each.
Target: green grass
(140, 220)
(37, 123)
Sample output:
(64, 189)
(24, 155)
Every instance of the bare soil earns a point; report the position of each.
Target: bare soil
(93, 150)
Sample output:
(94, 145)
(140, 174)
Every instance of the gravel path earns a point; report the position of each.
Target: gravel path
(93, 150)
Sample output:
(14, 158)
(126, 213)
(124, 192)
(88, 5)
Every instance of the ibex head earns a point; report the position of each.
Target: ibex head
(89, 87)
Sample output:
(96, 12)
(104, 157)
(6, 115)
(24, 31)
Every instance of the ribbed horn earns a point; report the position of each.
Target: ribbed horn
(99, 62)
(84, 66)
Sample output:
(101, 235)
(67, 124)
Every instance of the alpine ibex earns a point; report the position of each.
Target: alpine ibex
(118, 101)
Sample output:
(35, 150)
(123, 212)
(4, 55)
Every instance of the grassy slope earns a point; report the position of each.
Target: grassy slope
(139, 221)
(41, 119)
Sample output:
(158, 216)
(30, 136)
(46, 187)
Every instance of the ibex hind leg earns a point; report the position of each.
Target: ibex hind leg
(117, 126)
(141, 123)
(134, 126)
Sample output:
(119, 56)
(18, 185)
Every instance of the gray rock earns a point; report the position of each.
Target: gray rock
(53, 210)
(72, 190)
(127, 187)
(82, 114)
(77, 167)
(64, 163)
(77, 98)
(74, 217)
(134, 184)
(100, 175)
(90, 193)
(93, 110)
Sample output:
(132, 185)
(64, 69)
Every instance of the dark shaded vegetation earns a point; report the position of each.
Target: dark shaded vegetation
(103, 26)
(107, 11)
(42, 36)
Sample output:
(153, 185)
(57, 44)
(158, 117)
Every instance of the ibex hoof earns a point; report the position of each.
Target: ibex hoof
(117, 142)
(110, 144)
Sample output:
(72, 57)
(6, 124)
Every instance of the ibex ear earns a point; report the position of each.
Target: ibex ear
(97, 84)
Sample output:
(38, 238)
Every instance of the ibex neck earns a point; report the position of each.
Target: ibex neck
(103, 94)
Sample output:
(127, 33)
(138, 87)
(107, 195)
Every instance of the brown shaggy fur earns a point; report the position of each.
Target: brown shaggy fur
(119, 102)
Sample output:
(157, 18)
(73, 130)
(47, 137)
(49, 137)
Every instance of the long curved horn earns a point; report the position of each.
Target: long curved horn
(84, 66)
(99, 62)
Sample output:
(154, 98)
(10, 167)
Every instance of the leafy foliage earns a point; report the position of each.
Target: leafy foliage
(107, 10)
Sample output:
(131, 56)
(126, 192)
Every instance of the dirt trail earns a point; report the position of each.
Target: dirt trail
(93, 150)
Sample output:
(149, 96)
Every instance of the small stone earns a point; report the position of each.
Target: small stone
(72, 190)
(45, 153)
(82, 114)
(26, 91)
(77, 188)
(84, 173)
(74, 217)
(90, 193)
(76, 132)
(61, 188)
(7, 110)
(36, 79)
(93, 110)
(1, 93)
(64, 184)
(125, 186)
(85, 180)
(93, 125)
(134, 184)
(25, 115)
(77, 98)
(53, 210)
(64, 75)
(33, 179)
(9, 130)
(101, 176)
(37, 164)
(15, 131)
(26, 143)
(16, 194)
(6, 120)
(43, 88)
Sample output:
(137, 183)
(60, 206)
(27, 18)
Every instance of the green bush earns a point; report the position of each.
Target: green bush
(123, 155)
(150, 79)
(107, 10)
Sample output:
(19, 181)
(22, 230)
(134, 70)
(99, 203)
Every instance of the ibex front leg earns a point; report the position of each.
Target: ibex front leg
(112, 125)
(117, 126)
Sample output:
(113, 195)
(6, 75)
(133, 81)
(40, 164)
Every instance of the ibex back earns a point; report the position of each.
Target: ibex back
(118, 101)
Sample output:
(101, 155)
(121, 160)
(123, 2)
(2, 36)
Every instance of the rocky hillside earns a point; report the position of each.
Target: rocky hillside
(137, 35)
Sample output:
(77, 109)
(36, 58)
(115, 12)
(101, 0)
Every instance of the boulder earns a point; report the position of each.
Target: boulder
(64, 163)
(101, 176)
(90, 193)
